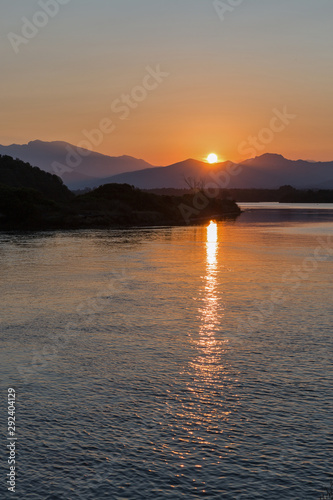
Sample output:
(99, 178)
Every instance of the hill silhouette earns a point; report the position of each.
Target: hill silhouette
(24, 208)
(126, 205)
(173, 176)
(268, 171)
(84, 168)
(78, 168)
(33, 199)
(18, 174)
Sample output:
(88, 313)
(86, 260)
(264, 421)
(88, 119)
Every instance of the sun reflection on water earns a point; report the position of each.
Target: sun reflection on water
(211, 246)
(208, 362)
(212, 232)
(208, 370)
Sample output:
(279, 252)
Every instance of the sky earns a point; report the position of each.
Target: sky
(166, 80)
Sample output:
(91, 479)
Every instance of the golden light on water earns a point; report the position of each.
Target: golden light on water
(208, 368)
(212, 232)
(209, 312)
(211, 245)
(207, 364)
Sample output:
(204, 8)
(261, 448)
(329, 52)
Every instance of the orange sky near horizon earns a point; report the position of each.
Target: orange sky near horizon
(165, 81)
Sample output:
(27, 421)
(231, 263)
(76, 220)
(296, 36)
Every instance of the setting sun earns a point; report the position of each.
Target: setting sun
(212, 158)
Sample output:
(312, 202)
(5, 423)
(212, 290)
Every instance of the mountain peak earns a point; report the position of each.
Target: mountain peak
(77, 169)
(276, 156)
(269, 159)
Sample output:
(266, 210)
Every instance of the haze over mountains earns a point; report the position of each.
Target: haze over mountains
(83, 168)
(269, 171)
(78, 168)
(31, 199)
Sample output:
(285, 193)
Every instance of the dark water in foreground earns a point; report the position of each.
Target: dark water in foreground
(170, 364)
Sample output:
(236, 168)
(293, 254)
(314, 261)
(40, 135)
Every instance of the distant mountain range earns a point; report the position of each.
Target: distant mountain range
(269, 171)
(32, 199)
(83, 168)
(78, 168)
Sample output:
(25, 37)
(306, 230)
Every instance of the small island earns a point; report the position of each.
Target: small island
(31, 199)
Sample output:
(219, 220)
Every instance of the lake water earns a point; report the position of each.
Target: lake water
(172, 363)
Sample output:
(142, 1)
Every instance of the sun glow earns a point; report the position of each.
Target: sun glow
(212, 158)
(212, 232)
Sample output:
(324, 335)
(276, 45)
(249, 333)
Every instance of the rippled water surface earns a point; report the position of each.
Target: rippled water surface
(172, 363)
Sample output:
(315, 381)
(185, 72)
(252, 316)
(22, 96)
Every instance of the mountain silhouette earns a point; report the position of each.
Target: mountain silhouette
(176, 175)
(18, 174)
(78, 168)
(84, 168)
(33, 199)
(269, 171)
